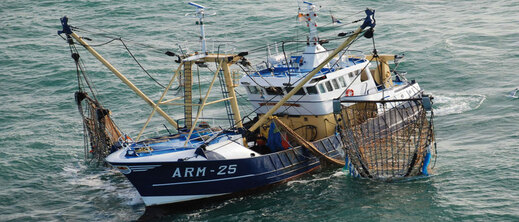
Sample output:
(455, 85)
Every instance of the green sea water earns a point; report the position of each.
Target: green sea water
(465, 53)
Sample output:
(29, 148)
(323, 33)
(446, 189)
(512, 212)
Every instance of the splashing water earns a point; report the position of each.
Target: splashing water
(514, 94)
(457, 103)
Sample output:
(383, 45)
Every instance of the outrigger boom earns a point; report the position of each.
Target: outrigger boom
(70, 33)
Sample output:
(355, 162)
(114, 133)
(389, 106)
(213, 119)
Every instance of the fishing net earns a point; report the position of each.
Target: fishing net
(100, 132)
(387, 139)
(101, 135)
(281, 137)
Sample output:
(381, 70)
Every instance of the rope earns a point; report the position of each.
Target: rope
(286, 61)
(143, 69)
(310, 146)
(344, 51)
(104, 34)
(102, 44)
(126, 47)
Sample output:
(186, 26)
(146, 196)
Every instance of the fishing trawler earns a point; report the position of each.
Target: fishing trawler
(201, 162)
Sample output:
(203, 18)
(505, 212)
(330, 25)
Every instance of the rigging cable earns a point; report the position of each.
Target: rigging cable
(143, 69)
(104, 34)
(101, 44)
(224, 93)
(97, 134)
(265, 101)
(127, 49)
(240, 96)
(302, 77)
(270, 84)
(288, 40)
(286, 61)
(199, 89)
(344, 51)
(80, 70)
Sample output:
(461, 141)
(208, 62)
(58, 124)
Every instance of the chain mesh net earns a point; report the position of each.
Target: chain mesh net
(386, 139)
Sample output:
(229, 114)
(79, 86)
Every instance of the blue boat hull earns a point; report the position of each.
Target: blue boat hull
(172, 182)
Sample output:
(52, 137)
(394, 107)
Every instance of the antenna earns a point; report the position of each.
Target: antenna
(200, 15)
(310, 18)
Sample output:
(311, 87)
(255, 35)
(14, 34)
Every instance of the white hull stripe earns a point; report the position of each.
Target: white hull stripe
(142, 168)
(158, 200)
(202, 181)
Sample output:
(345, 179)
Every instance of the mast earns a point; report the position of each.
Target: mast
(368, 21)
(188, 66)
(314, 53)
(200, 15)
(312, 23)
(224, 61)
(188, 94)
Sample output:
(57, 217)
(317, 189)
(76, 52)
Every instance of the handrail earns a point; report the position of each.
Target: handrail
(367, 22)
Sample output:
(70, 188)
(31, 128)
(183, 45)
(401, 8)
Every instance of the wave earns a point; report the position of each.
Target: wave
(338, 173)
(96, 180)
(457, 103)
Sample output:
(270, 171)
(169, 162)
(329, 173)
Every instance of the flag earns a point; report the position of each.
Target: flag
(276, 142)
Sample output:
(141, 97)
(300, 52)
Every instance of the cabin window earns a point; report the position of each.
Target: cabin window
(335, 84)
(342, 81)
(312, 90)
(274, 91)
(321, 88)
(299, 92)
(253, 89)
(328, 86)
(351, 75)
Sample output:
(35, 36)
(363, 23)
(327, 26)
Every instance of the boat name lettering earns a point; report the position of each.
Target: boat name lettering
(231, 169)
(190, 172)
(201, 171)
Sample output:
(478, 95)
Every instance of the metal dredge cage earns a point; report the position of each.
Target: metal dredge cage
(387, 139)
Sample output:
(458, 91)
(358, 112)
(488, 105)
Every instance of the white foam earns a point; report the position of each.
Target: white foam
(456, 103)
(77, 176)
(338, 173)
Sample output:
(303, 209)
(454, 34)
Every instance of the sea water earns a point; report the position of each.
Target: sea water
(464, 53)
